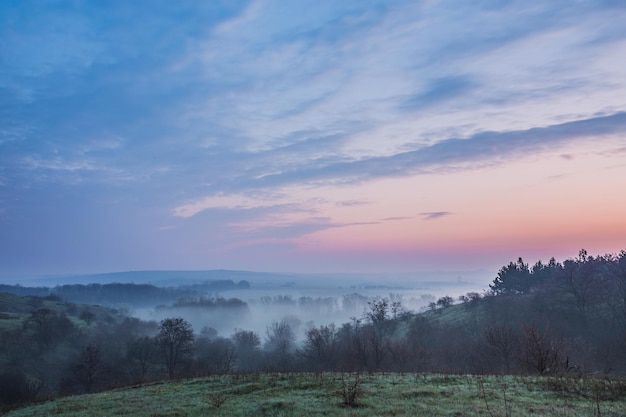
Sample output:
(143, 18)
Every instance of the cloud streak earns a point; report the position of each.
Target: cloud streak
(434, 215)
(449, 155)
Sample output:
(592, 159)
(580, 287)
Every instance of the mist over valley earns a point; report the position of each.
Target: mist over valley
(225, 301)
(551, 319)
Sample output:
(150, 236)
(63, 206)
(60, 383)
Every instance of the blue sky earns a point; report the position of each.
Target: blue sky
(309, 135)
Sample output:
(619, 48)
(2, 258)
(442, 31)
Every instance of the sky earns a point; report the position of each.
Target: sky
(309, 136)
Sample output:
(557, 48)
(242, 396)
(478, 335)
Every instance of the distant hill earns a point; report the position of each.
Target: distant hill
(415, 280)
(157, 278)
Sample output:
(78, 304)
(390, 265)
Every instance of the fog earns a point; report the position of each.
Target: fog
(224, 301)
(304, 301)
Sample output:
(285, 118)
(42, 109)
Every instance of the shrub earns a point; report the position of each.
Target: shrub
(350, 390)
(217, 399)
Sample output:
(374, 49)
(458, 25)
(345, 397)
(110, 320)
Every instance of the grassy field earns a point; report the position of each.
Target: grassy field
(325, 394)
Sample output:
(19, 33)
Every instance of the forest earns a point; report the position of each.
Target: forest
(545, 319)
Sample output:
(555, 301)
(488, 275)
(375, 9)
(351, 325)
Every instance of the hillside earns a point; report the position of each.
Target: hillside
(15, 310)
(321, 394)
(549, 320)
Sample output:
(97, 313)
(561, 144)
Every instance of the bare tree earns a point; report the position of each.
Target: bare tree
(378, 314)
(320, 347)
(89, 371)
(280, 343)
(175, 338)
(141, 354)
(377, 336)
(378, 345)
(541, 354)
(247, 348)
(215, 356)
(502, 345)
(353, 346)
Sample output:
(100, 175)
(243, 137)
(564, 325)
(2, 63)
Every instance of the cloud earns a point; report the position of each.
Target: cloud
(448, 155)
(353, 203)
(454, 154)
(614, 152)
(435, 215)
(263, 95)
(393, 219)
(292, 229)
(439, 90)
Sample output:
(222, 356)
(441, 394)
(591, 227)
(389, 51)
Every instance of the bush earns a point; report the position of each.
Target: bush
(350, 390)
(217, 399)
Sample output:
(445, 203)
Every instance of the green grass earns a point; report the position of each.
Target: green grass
(304, 394)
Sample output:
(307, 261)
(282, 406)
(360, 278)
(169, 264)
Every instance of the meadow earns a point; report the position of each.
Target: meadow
(350, 394)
